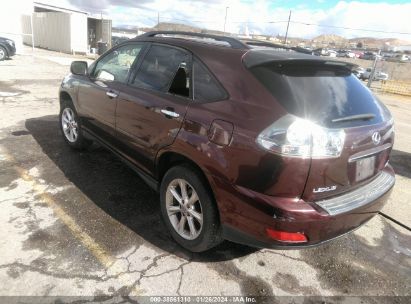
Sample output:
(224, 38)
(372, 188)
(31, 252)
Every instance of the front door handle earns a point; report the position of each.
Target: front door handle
(112, 94)
(170, 113)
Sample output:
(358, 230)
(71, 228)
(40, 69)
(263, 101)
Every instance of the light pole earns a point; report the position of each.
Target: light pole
(286, 32)
(31, 25)
(225, 19)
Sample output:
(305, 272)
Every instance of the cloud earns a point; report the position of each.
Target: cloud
(261, 16)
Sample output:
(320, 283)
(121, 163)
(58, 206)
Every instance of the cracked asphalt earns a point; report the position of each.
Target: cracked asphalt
(83, 224)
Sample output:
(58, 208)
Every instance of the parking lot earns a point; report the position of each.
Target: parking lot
(83, 224)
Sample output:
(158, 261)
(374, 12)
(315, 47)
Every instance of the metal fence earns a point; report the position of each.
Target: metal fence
(396, 87)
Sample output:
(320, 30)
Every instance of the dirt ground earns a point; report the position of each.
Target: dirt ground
(83, 224)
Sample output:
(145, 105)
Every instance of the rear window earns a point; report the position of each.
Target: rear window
(206, 88)
(321, 93)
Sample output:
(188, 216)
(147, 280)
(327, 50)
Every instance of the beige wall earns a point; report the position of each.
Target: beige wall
(58, 31)
(52, 31)
(62, 32)
(26, 28)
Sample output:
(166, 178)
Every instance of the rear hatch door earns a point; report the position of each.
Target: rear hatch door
(328, 94)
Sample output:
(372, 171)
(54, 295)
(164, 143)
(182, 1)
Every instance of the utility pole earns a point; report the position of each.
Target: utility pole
(225, 19)
(371, 77)
(158, 20)
(32, 30)
(286, 32)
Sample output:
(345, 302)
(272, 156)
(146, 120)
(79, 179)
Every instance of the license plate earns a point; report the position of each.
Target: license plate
(364, 168)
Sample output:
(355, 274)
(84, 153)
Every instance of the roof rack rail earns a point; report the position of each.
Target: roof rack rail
(277, 46)
(265, 44)
(233, 42)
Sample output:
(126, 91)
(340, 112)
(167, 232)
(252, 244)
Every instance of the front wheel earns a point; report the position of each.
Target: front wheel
(3, 53)
(189, 210)
(71, 127)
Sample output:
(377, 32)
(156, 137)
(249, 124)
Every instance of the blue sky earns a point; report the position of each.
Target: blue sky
(262, 16)
(321, 4)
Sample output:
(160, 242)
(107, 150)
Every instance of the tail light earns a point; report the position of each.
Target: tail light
(297, 137)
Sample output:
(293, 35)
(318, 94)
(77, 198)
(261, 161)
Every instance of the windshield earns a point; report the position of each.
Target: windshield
(322, 94)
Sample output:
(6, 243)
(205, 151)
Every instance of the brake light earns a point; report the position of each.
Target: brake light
(293, 136)
(283, 236)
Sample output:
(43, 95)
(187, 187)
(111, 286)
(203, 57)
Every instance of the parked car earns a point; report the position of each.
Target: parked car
(358, 54)
(320, 52)
(7, 48)
(401, 58)
(358, 72)
(304, 50)
(332, 53)
(346, 53)
(259, 146)
(378, 75)
(369, 56)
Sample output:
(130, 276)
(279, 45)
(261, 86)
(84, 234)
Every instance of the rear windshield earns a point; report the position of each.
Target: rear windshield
(321, 93)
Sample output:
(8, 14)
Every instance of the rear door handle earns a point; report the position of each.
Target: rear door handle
(112, 94)
(169, 113)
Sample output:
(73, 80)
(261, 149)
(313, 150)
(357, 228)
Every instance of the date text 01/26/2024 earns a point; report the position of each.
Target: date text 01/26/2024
(203, 299)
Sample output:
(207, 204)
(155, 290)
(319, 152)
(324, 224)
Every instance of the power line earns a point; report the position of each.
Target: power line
(296, 22)
(281, 21)
(350, 28)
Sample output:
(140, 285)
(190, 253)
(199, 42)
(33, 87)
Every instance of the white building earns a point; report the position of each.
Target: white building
(400, 48)
(54, 28)
(11, 20)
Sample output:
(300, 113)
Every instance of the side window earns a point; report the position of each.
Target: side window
(164, 69)
(116, 65)
(206, 87)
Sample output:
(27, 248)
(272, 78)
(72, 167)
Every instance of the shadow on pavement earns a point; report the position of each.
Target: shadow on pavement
(118, 191)
(401, 162)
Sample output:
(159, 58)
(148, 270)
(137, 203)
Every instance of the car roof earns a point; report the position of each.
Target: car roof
(252, 56)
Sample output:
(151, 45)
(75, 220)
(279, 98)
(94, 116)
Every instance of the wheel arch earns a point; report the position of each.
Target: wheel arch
(65, 97)
(169, 159)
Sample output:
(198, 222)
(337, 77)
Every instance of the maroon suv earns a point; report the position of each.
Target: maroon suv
(256, 145)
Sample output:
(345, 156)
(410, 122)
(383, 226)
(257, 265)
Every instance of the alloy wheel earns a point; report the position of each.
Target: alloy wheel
(69, 124)
(184, 209)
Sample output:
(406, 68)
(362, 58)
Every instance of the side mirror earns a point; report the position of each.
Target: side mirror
(78, 68)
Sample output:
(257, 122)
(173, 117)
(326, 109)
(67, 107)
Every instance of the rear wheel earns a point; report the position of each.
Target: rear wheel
(188, 209)
(3, 53)
(71, 127)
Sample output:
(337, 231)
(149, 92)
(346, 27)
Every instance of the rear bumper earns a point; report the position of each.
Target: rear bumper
(245, 215)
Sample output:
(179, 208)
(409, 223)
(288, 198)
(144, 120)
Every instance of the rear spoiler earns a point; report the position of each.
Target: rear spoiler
(257, 57)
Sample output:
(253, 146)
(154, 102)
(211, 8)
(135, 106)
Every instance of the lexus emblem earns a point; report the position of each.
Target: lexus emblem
(376, 138)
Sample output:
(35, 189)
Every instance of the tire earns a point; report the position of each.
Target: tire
(200, 235)
(70, 126)
(3, 53)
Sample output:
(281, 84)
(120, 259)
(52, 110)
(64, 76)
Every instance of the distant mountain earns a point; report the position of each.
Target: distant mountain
(319, 41)
(168, 26)
(380, 41)
(330, 39)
